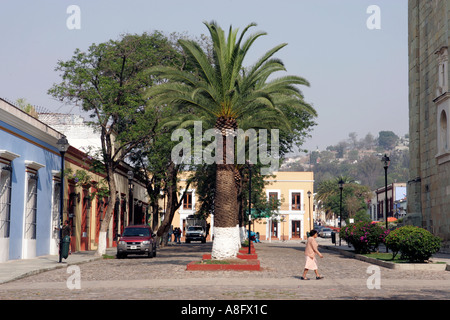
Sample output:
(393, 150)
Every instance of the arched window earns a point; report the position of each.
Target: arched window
(443, 131)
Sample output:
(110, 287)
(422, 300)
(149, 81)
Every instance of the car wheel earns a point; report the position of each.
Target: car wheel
(154, 250)
(150, 254)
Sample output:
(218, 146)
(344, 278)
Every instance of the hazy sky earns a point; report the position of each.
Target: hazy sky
(358, 75)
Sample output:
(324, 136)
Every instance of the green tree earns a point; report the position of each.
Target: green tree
(387, 140)
(225, 93)
(354, 198)
(107, 80)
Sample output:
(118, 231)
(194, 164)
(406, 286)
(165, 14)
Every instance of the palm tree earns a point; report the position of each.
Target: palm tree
(224, 92)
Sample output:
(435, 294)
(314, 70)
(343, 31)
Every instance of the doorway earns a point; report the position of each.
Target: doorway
(296, 229)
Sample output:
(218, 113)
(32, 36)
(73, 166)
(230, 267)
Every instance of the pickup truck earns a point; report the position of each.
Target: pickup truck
(195, 233)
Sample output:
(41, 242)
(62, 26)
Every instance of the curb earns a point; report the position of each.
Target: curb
(249, 265)
(57, 265)
(391, 265)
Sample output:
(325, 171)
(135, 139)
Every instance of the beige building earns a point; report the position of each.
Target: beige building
(295, 214)
(429, 117)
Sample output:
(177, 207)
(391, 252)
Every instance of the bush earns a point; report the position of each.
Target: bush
(415, 244)
(365, 237)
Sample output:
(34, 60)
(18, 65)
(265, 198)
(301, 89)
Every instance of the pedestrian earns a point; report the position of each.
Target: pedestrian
(179, 235)
(310, 252)
(66, 229)
(65, 232)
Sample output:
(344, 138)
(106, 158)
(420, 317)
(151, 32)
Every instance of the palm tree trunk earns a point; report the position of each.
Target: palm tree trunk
(226, 223)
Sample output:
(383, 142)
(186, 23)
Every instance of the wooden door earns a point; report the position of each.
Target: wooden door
(296, 229)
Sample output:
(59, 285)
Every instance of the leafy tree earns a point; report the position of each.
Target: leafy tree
(354, 198)
(387, 140)
(107, 80)
(226, 94)
(26, 107)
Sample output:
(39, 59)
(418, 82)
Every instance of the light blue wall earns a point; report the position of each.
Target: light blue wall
(42, 153)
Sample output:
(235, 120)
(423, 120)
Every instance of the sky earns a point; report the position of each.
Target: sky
(358, 74)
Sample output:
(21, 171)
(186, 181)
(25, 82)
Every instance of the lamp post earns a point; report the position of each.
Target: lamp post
(130, 175)
(63, 145)
(386, 161)
(310, 215)
(341, 186)
(249, 204)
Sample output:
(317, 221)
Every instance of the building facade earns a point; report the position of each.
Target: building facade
(30, 166)
(30, 180)
(85, 202)
(294, 217)
(429, 117)
(396, 199)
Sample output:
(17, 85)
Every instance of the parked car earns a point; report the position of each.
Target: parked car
(325, 233)
(136, 239)
(195, 233)
(318, 228)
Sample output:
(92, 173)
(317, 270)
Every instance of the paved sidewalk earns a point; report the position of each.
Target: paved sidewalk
(17, 269)
(438, 257)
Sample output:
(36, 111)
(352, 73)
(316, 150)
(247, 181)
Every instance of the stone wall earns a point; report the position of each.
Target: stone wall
(429, 185)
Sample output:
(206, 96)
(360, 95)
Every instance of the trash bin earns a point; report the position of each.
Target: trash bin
(65, 247)
(333, 237)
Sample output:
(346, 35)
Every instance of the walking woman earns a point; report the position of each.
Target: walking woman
(310, 253)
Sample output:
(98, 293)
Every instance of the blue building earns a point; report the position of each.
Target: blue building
(30, 166)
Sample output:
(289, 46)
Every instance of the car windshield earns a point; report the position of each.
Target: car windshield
(326, 229)
(195, 229)
(136, 232)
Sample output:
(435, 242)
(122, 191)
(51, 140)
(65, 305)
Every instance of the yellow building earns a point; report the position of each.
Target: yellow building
(294, 218)
(295, 192)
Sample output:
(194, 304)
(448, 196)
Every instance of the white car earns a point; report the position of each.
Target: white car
(195, 233)
(325, 233)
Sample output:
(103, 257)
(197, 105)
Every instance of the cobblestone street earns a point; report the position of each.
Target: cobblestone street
(165, 277)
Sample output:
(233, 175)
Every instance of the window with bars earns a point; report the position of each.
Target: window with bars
(56, 206)
(5, 199)
(31, 205)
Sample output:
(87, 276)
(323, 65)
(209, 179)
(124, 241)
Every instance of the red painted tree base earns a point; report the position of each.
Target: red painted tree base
(236, 264)
(243, 262)
(239, 256)
(245, 250)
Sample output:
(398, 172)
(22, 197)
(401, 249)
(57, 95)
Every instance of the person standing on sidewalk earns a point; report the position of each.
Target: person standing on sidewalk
(310, 252)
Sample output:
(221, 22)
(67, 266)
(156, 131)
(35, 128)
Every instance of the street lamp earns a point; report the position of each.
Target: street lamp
(341, 186)
(310, 216)
(386, 161)
(63, 145)
(130, 175)
(249, 204)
